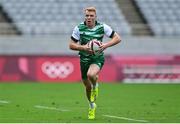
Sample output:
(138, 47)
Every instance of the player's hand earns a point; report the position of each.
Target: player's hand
(102, 47)
(87, 49)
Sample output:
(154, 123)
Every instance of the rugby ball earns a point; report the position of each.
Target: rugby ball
(94, 45)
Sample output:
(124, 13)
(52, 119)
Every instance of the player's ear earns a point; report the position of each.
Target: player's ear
(96, 17)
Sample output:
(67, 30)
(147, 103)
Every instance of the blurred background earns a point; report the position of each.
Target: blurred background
(34, 38)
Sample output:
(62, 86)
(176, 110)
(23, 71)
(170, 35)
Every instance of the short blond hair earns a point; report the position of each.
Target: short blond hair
(91, 8)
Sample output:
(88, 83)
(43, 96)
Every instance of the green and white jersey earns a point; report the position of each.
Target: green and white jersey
(83, 34)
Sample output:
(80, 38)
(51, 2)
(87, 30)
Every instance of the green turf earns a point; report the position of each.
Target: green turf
(150, 102)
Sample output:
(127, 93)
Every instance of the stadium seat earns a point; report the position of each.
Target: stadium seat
(34, 17)
(163, 16)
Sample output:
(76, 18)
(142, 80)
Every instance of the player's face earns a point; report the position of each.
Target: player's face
(90, 18)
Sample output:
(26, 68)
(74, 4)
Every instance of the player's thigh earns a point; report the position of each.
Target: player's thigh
(93, 70)
(96, 66)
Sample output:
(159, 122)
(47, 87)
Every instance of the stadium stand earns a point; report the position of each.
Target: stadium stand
(34, 17)
(6, 25)
(134, 17)
(163, 16)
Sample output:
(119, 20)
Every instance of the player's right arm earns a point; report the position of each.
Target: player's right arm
(74, 43)
(76, 46)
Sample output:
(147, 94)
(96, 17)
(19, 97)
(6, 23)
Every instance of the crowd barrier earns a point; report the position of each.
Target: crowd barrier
(120, 68)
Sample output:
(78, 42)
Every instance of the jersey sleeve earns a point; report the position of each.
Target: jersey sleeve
(109, 32)
(76, 34)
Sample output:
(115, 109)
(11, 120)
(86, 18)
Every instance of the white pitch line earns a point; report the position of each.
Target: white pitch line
(124, 118)
(50, 108)
(4, 101)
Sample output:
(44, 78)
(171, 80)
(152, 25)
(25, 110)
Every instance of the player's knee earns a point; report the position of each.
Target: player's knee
(91, 76)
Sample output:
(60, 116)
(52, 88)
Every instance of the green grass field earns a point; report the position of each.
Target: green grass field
(64, 103)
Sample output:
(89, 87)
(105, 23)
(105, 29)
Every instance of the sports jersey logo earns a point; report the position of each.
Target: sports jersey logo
(57, 69)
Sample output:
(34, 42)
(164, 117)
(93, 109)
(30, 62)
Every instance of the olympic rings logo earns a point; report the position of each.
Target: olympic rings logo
(57, 69)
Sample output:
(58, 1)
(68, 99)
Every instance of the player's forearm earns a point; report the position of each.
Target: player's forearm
(75, 46)
(115, 40)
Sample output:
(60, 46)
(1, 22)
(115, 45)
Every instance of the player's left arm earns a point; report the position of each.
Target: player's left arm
(115, 38)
